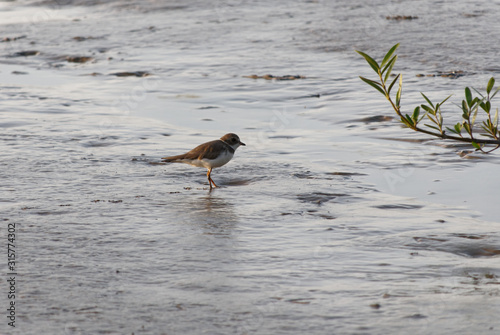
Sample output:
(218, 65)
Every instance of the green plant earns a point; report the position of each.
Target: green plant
(432, 111)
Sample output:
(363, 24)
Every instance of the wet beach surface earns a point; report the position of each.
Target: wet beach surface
(333, 218)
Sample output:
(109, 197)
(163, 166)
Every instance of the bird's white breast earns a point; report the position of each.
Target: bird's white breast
(222, 159)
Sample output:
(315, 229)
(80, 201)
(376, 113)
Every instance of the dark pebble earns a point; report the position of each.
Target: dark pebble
(401, 17)
(26, 53)
(78, 59)
(131, 74)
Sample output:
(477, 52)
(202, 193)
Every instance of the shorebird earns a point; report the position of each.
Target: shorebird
(209, 155)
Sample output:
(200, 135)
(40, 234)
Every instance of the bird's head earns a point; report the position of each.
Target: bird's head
(233, 140)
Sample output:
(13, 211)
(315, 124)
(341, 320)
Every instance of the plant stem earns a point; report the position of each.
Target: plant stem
(442, 135)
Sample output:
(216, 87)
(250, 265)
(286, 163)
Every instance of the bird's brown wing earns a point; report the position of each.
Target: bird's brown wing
(209, 150)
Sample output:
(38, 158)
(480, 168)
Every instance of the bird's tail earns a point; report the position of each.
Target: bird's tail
(172, 159)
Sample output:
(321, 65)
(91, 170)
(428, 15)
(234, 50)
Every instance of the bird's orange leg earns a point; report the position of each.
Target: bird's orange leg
(210, 181)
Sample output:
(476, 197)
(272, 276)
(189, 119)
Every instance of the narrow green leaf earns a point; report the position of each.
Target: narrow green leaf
(371, 81)
(416, 113)
(370, 61)
(482, 96)
(475, 145)
(473, 119)
(491, 83)
(431, 118)
(490, 129)
(389, 67)
(427, 99)
(398, 97)
(467, 128)
(475, 101)
(393, 82)
(486, 106)
(468, 96)
(457, 129)
(496, 91)
(442, 102)
(409, 121)
(428, 109)
(488, 134)
(464, 107)
(391, 62)
(389, 54)
(436, 128)
(398, 94)
(373, 84)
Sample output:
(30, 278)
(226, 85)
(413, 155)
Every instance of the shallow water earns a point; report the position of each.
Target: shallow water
(331, 220)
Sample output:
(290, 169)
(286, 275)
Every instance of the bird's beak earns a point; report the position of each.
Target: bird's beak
(241, 143)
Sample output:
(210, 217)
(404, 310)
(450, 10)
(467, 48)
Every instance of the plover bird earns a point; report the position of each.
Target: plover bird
(210, 155)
